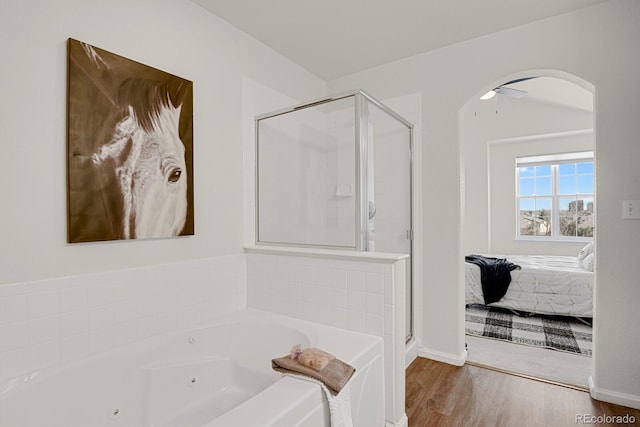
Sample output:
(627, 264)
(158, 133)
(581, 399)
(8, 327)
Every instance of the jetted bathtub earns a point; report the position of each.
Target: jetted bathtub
(216, 374)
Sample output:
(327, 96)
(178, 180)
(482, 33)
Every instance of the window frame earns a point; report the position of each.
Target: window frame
(553, 161)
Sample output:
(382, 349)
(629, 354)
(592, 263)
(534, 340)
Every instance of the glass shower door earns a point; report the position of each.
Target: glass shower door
(336, 173)
(389, 190)
(306, 188)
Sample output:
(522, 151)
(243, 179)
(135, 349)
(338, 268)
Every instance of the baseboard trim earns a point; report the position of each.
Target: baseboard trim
(451, 359)
(411, 352)
(610, 396)
(404, 422)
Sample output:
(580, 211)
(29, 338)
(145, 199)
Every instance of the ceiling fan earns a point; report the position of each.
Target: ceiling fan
(507, 91)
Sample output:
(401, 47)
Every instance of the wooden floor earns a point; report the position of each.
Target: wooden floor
(439, 394)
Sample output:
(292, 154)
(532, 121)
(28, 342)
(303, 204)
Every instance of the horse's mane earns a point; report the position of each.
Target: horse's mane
(148, 98)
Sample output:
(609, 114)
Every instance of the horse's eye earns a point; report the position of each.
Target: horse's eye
(174, 176)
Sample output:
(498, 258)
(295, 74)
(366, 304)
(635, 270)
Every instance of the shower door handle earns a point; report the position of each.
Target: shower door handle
(372, 210)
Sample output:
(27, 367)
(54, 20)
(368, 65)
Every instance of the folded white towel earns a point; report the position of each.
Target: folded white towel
(339, 404)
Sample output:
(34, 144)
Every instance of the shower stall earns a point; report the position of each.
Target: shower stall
(336, 173)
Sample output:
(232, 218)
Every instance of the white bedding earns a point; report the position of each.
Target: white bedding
(557, 285)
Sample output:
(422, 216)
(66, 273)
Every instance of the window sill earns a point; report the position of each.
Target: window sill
(554, 240)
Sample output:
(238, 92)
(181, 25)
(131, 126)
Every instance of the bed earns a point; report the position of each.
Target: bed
(555, 285)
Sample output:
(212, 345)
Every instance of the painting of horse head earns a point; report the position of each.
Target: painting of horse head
(150, 174)
(129, 149)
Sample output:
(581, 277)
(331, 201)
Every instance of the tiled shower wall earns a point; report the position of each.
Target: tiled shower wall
(342, 292)
(346, 294)
(48, 322)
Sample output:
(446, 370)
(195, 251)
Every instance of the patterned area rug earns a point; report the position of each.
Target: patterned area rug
(555, 332)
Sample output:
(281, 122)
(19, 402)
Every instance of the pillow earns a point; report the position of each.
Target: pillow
(588, 249)
(588, 262)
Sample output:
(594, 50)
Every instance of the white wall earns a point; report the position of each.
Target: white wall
(61, 302)
(501, 158)
(598, 44)
(173, 35)
(493, 133)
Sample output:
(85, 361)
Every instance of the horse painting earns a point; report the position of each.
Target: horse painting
(129, 150)
(150, 175)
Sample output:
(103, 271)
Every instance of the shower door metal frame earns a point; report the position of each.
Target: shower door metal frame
(361, 99)
(362, 118)
(362, 183)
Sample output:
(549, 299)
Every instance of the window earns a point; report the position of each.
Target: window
(554, 196)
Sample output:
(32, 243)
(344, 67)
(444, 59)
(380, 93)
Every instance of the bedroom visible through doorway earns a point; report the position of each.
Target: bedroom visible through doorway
(528, 154)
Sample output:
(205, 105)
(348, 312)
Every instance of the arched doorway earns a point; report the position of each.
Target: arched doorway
(531, 117)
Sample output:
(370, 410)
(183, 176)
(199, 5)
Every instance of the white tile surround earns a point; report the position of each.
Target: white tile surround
(48, 322)
(349, 290)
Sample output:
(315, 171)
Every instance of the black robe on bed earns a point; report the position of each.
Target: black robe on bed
(495, 275)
